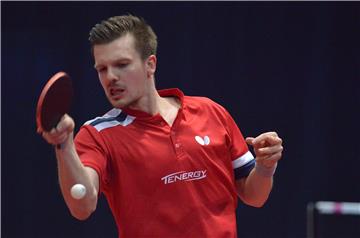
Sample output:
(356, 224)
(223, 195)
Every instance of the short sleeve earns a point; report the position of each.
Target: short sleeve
(92, 152)
(242, 159)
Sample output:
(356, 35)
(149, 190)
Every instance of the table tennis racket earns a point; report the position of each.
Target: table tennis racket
(54, 102)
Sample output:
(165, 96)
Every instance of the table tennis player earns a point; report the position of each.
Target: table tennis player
(169, 165)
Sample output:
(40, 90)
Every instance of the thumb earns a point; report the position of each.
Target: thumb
(249, 140)
(66, 124)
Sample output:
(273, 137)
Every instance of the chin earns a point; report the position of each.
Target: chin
(118, 103)
(123, 102)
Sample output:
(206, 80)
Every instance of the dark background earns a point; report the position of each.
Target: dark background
(289, 67)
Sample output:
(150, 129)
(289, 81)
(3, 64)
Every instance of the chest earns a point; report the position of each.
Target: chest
(157, 149)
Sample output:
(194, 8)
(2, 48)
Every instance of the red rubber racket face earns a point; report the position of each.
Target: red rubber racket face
(54, 101)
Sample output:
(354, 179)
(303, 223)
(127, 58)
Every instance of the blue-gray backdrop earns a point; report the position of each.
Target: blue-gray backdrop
(289, 67)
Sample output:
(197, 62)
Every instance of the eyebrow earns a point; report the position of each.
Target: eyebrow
(121, 60)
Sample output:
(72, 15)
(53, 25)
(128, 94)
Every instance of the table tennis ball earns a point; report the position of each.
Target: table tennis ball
(78, 191)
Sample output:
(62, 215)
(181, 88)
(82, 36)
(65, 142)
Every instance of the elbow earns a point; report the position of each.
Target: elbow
(80, 217)
(257, 203)
(82, 209)
(81, 214)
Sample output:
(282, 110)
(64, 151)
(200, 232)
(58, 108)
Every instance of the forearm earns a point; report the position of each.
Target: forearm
(71, 171)
(255, 189)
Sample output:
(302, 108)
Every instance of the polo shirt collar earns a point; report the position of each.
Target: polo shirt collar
(170, 92)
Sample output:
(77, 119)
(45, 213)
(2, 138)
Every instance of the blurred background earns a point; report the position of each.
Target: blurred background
(292, 67)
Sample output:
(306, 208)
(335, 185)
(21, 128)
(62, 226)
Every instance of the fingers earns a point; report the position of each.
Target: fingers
(66, 124)
(264, 151)
(62, 131)
(249, 140)
(268, 138)
(54, 137)
(270, 160)
(267, 147)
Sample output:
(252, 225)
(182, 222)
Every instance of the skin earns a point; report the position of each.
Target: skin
(125, 78)
(128, 81)
(255, 189)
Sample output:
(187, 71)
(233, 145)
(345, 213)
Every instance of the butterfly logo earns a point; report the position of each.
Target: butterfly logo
(202, 141)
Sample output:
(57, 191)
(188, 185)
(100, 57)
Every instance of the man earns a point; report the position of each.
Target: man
(169, 165)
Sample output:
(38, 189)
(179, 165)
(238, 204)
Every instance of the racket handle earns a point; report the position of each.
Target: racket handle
(59, 146)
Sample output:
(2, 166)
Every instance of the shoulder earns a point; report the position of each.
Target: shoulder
(199, 100)
(203, 103)
(112, 118)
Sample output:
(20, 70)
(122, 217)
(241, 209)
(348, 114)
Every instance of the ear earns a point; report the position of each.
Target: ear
(151, 65)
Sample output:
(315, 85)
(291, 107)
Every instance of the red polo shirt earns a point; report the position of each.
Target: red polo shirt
(163, 181)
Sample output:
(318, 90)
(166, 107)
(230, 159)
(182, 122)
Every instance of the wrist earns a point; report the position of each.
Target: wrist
(66, 144)
(265, 171)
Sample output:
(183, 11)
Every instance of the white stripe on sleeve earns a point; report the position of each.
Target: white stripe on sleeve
(107, 124)
(242, 160)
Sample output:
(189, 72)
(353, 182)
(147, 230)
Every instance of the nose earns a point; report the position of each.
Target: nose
(112, 75)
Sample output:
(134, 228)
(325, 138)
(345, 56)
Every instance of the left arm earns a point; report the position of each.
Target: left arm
(254, 190)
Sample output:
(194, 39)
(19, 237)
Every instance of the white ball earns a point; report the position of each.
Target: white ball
(78, 191)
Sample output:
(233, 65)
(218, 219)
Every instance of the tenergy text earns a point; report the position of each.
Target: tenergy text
(184, 176)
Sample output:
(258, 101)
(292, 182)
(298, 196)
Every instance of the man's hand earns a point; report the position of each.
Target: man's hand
(254, 190)
(268, 149)
(62, 132)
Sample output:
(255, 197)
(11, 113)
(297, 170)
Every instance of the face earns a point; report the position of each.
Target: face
(125, 77)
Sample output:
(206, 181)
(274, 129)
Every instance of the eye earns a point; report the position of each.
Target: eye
(101, 69)
(122, 65)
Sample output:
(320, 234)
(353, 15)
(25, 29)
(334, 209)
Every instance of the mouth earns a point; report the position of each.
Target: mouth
(116, 93)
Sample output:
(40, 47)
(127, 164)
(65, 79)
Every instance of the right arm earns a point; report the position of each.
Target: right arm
(71, 171)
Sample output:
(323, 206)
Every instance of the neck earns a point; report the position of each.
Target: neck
(162, 105)
(154, 104)
(150, 103)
